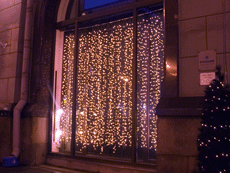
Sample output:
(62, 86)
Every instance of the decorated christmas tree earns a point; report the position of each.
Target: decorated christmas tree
(214, 137)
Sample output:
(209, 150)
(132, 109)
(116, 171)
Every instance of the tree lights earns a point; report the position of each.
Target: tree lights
(214, 138)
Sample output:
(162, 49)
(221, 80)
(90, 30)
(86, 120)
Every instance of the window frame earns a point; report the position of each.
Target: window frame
(170, 40)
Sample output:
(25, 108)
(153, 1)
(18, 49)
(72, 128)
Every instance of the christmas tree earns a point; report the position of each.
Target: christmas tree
(214, 137)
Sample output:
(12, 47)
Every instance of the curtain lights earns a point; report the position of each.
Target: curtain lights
(150, 63)
(104, 86)
(104, 102)
(67, 92)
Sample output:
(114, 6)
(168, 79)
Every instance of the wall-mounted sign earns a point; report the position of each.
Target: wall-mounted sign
(206, 78)
(207, 60)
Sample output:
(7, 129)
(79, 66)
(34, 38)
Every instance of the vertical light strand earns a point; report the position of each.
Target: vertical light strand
(83, 59)
(150, 65)
(67, 92)
(156, 72)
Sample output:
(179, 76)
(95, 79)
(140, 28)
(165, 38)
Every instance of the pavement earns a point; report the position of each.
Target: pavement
(37, 169)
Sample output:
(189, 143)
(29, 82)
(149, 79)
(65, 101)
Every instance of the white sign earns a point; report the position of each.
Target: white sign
(207, 60)
(206, 78)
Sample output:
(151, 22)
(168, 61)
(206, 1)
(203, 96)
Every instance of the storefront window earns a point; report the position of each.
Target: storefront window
(104, 80)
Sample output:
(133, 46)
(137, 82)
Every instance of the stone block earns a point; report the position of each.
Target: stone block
(26, 156)
(6, 4)
(153, 170)
(192, 165)
(178, 136)
(26, 130)
(17, 40)
(10, 17)
(19, 1)
(5, 42)
(13, 94)
(110, 169)
(228, 67)
(9, 66)
(227, 32)
(189, 78)
(84, 166)
(220, 60)
(33, 154)
(39, 131)
(39, 151)
(227, 6)
(172, 164)
(58, 162)
(192, 37)
(215, 33)
(5, 137)
(3, 88)
(197, 8)
(33, 140)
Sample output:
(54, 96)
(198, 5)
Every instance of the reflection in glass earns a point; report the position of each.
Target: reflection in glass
(62, 119)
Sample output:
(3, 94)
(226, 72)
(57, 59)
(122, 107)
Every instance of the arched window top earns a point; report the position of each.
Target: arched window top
(66, 10)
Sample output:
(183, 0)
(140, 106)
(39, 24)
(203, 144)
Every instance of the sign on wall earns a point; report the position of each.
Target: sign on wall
(206, 78)
(207, 60)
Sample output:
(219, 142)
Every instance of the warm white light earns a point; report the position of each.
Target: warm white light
(59, 112)
(168, 66)
(58, 133)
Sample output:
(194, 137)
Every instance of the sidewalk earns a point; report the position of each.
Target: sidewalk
(37, 169)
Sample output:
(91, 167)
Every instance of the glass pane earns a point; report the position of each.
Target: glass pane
(93, 3)
(63, 92)
(104, 89)
(150, 63)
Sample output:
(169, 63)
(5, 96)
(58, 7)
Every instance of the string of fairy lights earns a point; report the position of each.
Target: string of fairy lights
(104, 84)
(150, 50)
(67, 91)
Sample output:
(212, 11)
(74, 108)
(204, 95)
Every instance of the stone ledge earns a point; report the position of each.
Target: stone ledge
(176, 164)
(96, 167)
(180, 107)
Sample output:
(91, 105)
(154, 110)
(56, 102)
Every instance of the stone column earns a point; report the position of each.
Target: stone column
(178, 128)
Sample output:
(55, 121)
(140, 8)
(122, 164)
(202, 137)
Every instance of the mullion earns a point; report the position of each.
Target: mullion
(73, 141)
(134, 110)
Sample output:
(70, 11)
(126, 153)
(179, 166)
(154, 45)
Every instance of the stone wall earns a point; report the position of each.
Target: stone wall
(178, 126)
(5, 133)
(11, 47)
(203, 25)
(33, 140)
(12, 21)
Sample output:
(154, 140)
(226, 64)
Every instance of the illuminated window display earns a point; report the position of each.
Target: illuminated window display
(104, 87)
